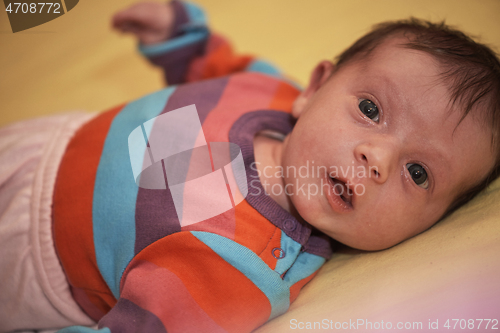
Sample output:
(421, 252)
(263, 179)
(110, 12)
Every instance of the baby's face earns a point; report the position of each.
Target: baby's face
(384, 129)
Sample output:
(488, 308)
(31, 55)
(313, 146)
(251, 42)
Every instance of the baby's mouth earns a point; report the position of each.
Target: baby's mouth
(341, 189)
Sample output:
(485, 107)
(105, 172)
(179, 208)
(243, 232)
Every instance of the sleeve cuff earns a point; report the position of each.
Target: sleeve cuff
(189, 28)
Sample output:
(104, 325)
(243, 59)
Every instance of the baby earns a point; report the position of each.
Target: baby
(376, 149)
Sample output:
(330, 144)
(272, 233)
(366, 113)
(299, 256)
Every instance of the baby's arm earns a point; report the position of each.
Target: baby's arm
(175, 37)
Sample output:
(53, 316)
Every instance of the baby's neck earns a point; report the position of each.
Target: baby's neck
(268, 152)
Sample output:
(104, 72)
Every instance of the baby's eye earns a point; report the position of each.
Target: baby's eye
(418, 174)
(369, 109)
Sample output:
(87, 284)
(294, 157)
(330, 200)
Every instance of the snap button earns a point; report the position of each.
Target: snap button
(278, 253)
(289, 225)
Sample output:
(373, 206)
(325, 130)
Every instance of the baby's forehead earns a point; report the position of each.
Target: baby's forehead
(396, 51)
(411, 77)
(397, 54)
(401, 75)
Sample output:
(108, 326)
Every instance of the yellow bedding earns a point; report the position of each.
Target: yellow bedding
(448, 272)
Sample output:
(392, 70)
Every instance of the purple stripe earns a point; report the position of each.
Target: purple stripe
(126, 317)
(204, 94)
(175, 64)
(180, 18)
(320, 245)
(155, 215)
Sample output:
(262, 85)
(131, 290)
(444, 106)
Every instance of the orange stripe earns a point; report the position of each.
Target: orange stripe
(255, 232)
(85, 303)
(72, 214)
(223, 292)
(295, 289)
(284, 97)
(221, 59)
(267, 254)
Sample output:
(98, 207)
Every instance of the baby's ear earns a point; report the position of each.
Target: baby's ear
(319, 76)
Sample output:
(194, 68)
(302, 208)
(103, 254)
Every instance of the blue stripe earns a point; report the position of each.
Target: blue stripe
(263, 67)
(195, 13)
(292, 249)
(82, 329)
(305, 265)
(174, 44)
(115, 190)
(137, 147)
(253, 267)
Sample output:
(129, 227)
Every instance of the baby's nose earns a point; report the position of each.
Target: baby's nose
(377, 159)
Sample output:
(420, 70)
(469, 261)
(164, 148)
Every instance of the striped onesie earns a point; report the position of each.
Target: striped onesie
(132, 265)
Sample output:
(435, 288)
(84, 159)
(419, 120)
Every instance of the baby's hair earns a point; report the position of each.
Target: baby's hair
(470, 69)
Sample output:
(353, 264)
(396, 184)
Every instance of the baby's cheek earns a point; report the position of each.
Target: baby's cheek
(308, 209)
(406, 224)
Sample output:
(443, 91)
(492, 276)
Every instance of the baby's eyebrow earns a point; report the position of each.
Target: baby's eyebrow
(393, 86)
(389, 90)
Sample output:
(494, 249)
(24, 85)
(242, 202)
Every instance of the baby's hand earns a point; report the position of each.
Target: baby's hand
(151, 22)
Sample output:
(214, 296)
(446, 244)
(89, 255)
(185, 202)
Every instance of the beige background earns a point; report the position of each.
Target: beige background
(78, 62)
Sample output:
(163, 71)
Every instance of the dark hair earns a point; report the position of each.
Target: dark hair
(470, 69)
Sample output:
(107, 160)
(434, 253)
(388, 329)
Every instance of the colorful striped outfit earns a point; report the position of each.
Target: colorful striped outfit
(130, 264)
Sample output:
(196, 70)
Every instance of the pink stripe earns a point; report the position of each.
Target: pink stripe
(164, 294)
(244, 93)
